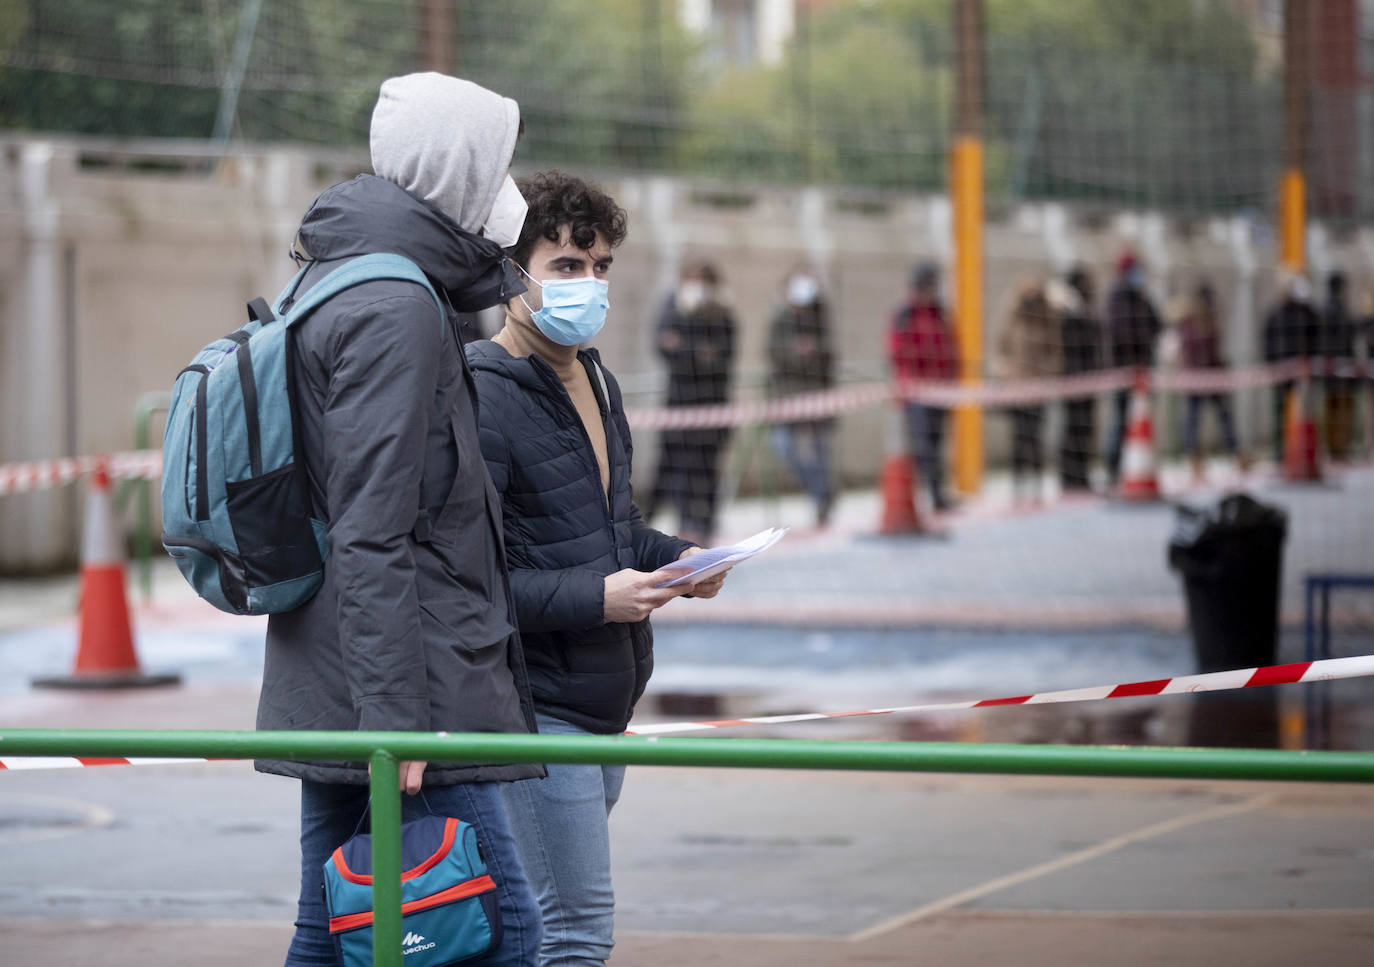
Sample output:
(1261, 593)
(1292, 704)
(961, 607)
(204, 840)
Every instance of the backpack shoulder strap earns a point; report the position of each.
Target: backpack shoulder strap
(601, 381)
(601, 378)
(365, 268)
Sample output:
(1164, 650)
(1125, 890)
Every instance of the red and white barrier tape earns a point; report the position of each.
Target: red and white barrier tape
(993, 393)
(18, 478)
(20, 763)
(1306, 671)
(138, 464)
(790, 409)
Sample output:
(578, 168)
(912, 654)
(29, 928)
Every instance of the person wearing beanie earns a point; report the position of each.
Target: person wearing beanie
(1292, 330)
(413, 629)
(921, 346)
(1133, 327)
(1336, 344)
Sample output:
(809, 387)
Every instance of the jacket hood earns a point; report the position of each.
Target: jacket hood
(528, 372)
(370, 214)
(446, 141)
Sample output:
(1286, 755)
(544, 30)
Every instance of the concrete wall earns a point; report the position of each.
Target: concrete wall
(118, 261)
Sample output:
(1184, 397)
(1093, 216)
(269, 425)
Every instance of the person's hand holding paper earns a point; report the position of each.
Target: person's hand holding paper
(700, 568)
(707, 587)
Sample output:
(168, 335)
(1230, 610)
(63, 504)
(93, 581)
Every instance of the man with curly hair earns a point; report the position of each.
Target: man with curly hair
(585, 568)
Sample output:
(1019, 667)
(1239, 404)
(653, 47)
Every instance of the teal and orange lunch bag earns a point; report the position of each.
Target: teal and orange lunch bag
(448, 899)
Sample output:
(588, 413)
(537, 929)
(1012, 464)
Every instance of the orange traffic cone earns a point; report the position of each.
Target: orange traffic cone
(105, 655)
(898, 485)
(1300, 458)
(1139, 479)
(899, 506)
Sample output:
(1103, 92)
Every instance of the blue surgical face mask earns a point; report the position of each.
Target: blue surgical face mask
(574, 310)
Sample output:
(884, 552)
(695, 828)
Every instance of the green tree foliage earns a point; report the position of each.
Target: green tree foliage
(861, 97)
(1157, 102)
(598, 85)
(84, 66)
(316, 66)
(156, 68)
(1161, 102)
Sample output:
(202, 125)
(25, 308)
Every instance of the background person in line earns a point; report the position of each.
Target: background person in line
(696, 338)
(412, 629)
(921, 347)
(1200, 341)
(1081, 335)
(1291, 331)
(584, 565)
(1364, 338)
(1133, 328)
(1028, 347)
(801, 360)
(1337, 342)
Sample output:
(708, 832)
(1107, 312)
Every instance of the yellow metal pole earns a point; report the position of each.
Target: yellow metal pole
(968, 306)
(1293, 220)
(966, 184)
(1297, 66)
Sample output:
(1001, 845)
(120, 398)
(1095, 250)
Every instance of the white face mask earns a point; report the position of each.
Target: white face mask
(691, 295)
(507, 215)
(802, 290)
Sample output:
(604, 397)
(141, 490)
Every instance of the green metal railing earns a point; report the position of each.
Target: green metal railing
(384, 750)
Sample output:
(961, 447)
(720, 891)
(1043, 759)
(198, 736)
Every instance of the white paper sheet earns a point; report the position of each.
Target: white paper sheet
(713, 560)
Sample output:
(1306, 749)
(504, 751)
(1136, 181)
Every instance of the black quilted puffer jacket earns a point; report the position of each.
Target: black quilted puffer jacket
(562, 538)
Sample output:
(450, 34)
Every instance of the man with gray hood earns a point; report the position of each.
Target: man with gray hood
(413, 628)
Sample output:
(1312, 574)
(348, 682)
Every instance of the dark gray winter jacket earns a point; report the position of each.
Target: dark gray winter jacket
(562, 539)
(412, 627)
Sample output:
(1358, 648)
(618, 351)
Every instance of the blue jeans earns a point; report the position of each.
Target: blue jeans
(925, 427)
(811, 468)
(1121, 403)
(560, 825)
(1194, 414)
(330, 813)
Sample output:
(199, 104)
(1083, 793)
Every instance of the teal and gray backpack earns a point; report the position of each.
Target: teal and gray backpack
(235, 496)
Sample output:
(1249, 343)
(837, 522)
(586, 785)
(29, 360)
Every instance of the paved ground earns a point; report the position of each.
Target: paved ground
(1085, 562)
(125, 866)
(194, 864)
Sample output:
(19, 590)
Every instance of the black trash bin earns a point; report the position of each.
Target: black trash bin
(1231, 560)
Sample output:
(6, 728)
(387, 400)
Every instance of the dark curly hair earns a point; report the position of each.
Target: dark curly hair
(557, 200)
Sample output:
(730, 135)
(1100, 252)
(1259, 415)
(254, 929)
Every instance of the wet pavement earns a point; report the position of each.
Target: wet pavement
(195, 863)
(125, 866)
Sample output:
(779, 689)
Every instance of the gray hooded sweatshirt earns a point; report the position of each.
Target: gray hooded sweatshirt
(446, 141)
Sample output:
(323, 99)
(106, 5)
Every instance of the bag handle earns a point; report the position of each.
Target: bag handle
(260, 311)
(367, 807)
